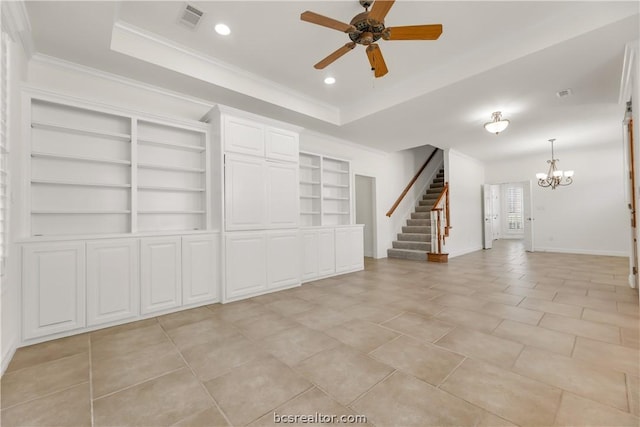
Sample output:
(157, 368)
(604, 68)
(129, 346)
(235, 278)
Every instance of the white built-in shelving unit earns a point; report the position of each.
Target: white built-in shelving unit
(325, 191)
(95, 171)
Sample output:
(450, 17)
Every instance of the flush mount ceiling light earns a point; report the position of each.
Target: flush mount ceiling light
(554, 177)
(222, 29)
(496, 125)
(329, 80)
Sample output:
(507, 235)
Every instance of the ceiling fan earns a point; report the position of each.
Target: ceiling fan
(368, 27)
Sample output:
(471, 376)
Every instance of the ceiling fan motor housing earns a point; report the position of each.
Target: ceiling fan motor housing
(367, 30)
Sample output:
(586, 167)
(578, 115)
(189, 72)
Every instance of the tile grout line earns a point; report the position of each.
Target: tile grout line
(451, 373)
(44, 395)
(91, 381)
(364, 393)
(215, 403)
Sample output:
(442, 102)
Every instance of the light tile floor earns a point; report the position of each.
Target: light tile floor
(497, 337)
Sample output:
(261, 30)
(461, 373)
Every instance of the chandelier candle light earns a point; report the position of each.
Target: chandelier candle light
(554, 177)
(497, 124)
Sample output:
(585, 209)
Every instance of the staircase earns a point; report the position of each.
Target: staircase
(415, 240)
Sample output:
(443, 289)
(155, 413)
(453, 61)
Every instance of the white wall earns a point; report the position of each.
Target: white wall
(9, 285)
(466, 176)
(589, 216)
(365, 210)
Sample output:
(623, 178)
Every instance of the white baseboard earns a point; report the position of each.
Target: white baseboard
(7, 356)
(465, 251)
(583, 251)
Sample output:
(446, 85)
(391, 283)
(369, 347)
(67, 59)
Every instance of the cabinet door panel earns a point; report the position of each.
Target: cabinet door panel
(343, 246)
(326, 252)
(283, 255)
(245, 264)
(281, 145)
(160, 273)
(282, 187)
(200, 269)
(112, 281)
(310, 252)
(245, 193)
(356, 239)
(53, 288)
(243, 136)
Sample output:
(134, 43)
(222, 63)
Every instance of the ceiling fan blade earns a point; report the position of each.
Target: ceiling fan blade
(376, 60)
(335, 55)
(325, 21)
(380, 9)
(414, 32)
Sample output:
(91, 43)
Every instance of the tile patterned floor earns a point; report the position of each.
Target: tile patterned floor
(493, 338)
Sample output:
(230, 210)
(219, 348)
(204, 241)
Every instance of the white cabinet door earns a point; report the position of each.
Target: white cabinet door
(200, 269)
(283, 259)
(349, 249)
(245, 193)
(160, 273)
(282, 195)
(281, 144)
(309, 253)
(113, 283)
(243, 136)
(245, 264)
(326, 252)
(53, 292)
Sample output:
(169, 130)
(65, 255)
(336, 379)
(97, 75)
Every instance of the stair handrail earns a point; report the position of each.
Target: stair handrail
(410, 184)
(440, 219)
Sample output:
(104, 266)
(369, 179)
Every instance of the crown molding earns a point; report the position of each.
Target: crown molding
(130, 40)
(15, 22)
(320, 135)
(67, 65)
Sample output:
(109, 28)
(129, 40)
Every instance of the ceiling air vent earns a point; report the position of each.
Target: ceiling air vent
(564, 93)
(190, 16)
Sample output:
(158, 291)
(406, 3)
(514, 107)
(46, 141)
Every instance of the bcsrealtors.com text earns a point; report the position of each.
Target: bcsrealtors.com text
(318, 418)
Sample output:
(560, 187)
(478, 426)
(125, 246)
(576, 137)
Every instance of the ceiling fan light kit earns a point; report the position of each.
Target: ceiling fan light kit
(554, 177)
(497, 123)
(368, 27)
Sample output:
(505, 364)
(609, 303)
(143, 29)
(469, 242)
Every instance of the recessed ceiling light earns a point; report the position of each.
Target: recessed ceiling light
(222, 29)
(329, 80)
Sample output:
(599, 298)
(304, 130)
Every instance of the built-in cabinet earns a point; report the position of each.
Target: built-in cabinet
(327, 251)
(161, 273)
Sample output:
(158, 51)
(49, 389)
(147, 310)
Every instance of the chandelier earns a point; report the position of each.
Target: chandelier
(554, 177)
(496, 125)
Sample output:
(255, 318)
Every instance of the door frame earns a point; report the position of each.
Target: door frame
(527, 202)
(374, 225)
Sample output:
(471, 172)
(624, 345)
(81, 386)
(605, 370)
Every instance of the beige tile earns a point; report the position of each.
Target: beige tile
(289, 306)
(512, 313)
(578, 411)
(604, 386)
(417, 306)
(185, 317)
(612, 356)
(511, 396)
(633, 393)
(459, 301)
(122, 328)
(264, 325)
(311, 402)
(428, 363)
(372, 313)
(622, 320)
(337, 301)
(583, 328)
(214, 358)
(361, 335)
(557, 342)
(454, 289)
(26, 357)
(126, 369)
(239, 310)
(71, 407)
(562, 290)
(544, 294)
(201, 332)
(402, 400)
(343, 372)
(469, 319)
(490, 420)
(588, 301)
(159, 402)
(211, 417)
(419, 327)
(552, 307)
(628, 308)
(251, 390)
(481, 346)
(44, 378)
(630, 337)
(105, 346)
(321, 318)
(294, 345)
(499, 297)
(614, 296)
